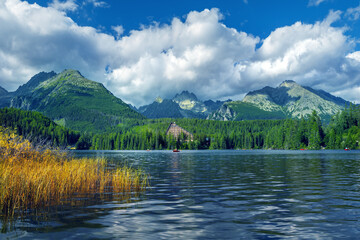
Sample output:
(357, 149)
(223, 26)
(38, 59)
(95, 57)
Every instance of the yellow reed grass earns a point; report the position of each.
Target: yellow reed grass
(32, 178)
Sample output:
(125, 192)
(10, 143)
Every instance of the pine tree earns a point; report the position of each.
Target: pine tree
(315, 137)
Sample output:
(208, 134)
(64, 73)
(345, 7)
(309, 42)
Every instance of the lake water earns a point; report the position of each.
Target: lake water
(220, 195)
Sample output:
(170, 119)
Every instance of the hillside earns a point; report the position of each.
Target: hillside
(80, 104)
(73, 101)
(37, 128)
(238, 111)
(183, 105)
(289, 99)
(3, 91)
(162, 109)
(34, 82)
(5, 97)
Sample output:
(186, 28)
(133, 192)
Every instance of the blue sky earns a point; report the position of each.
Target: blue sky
(217, 49)
(257, 17)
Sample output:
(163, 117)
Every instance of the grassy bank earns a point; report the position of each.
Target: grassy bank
(32, 178)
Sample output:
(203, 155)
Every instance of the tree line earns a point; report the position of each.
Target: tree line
(343, 131)
(37, 128)
(309, 132)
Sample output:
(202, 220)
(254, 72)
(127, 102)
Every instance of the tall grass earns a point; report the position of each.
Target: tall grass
(33, 178)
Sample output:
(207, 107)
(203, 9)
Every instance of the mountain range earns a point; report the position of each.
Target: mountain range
(183, 105)
(73, 101)
(288, 100)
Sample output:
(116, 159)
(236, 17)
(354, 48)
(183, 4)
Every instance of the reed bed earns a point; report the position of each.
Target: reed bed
(32, 178)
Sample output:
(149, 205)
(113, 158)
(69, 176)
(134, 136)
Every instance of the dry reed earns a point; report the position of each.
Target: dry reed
(31, 178)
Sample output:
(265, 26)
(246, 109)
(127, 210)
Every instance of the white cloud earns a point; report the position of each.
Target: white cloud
(292, 51)
(353, 13)
(315, 55)
(315, 2)
(350, 93)
(199, 54)
(354, 56)
(97, 3)
(41, 38)
(68, 5)
(119, 30)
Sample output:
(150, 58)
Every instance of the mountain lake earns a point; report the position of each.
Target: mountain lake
(238, 194)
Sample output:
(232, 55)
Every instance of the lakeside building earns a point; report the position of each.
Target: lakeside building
(176, 131)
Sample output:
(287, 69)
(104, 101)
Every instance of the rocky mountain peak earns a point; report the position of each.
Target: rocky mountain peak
(295, 100)
(70, 75)
(183, 105)
(71, 80)
(185, 95)
(289, 84)
(159, 100)
(34, 82)
(69, 72)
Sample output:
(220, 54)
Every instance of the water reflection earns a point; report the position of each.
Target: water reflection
(222, 195)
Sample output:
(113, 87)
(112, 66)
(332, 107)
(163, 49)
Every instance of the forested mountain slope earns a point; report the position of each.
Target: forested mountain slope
(73, 101)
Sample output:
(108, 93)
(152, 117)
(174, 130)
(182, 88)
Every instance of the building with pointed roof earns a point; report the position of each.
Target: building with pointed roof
(176, 131)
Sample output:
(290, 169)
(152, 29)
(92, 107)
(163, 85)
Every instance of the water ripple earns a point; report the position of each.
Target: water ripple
(223, 195)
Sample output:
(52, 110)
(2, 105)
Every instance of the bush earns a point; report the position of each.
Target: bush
(36, 178)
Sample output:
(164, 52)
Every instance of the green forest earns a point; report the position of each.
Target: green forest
(37, 128)
(343, 131)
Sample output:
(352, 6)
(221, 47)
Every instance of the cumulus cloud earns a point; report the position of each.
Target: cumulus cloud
(214, 61)
(119, 30)
(292, 52)
(354, 56)
(198, 53)
(317, 55)
(68, 5)
(45, 39)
